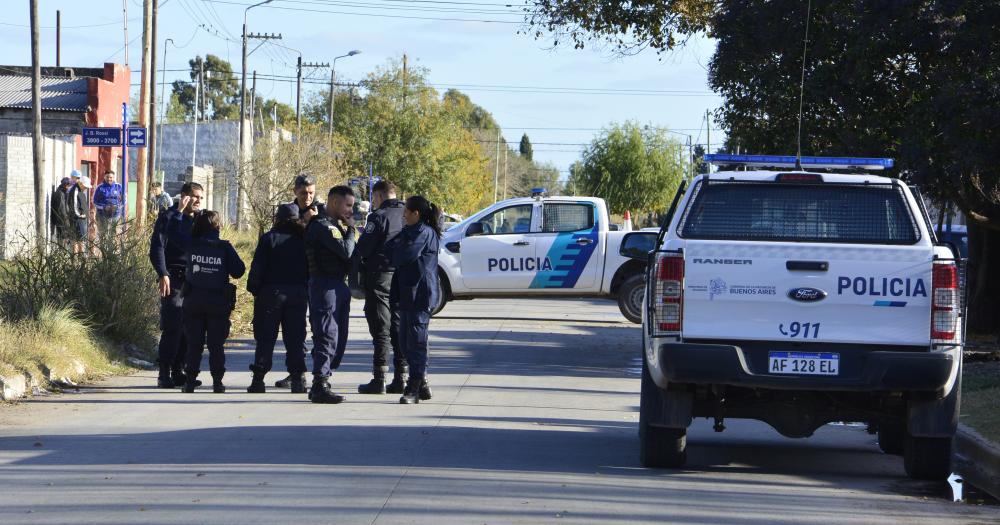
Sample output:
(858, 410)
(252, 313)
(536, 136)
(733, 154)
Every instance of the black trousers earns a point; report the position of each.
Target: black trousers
(206, 322)
(413, 338)
(383, 323)
(280, 306)
(173, 344)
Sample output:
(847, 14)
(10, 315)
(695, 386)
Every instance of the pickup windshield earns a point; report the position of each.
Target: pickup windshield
(774, 211)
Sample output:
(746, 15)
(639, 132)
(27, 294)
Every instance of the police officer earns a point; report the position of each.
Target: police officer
(167, 247)
(330, 242)
(209, 298)
(304, 189)
(278, 281)
(384, 224)
(415, 287)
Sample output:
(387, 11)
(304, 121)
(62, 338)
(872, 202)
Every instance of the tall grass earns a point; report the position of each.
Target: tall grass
(245, 242)
(112, 291)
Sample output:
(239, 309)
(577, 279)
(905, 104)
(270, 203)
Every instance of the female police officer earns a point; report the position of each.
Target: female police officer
(208, 298)
(415, 287)
(278, 280)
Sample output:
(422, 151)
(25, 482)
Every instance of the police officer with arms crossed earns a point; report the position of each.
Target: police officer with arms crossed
(384, 224)
(209, 298)
(330, 242)
(167, 248)
(278, 281)
(304, 188)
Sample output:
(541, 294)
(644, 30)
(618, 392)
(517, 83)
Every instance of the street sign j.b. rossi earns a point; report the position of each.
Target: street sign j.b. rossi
(107, 137)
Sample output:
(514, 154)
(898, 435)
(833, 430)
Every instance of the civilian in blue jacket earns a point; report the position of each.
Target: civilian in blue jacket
(108, 199)
(278, 280)
(415, 288)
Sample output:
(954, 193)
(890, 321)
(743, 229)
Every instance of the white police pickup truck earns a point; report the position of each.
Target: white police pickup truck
(543, 246)
(799, 299)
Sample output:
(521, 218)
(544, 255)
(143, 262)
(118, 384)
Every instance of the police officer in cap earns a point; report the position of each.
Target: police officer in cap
(384, 224)
(209, 298)
(304, 188)
(278, 281)
(167, 248)
(330, 242)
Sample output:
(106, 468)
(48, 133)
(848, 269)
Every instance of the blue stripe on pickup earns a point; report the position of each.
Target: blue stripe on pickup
(892, 304)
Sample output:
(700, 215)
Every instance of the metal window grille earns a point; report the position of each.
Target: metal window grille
(567, 218)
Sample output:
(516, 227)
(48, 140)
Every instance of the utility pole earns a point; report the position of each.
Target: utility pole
(298, 97)
(708, 137)
(153, 148)
(163, 89)
(404, 80)
(496, 170)
(125, 29)
(58, 34)
(197, 90)
(240, 193)
(333, 79)
(144, 87)
(505, 152)
(253, 101)
(36, 130)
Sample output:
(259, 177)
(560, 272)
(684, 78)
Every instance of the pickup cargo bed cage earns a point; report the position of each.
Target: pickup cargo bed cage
(788, 161)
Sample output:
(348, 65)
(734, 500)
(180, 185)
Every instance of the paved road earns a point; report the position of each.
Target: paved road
(533, 421)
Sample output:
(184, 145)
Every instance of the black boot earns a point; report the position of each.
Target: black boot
(425, 390)
(191, 385)
(257, 382)
(288, 380)
(299, 384)
(398, 381)
(376, 385)
(217, 385)
(164, 380)
(321, 393)
(180, 379)
(411, 395)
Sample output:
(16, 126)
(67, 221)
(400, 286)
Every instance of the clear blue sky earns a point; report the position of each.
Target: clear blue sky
(560, 96)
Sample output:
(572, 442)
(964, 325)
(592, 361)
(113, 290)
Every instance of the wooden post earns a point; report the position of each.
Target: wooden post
(144, 85)
(41, 191)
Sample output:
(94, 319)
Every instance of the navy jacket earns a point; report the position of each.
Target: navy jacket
(211, 291)
(415, 256)
(329, 247)
(280, 258)
(171, 237)
(384, 224)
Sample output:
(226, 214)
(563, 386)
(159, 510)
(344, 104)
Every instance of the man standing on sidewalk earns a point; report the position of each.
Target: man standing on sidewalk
(167, 250)
(108, 199)
(384, 224)
(330, 242)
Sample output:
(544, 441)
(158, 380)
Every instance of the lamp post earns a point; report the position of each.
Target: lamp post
(163, 105)
(333, 80)
(243, 102)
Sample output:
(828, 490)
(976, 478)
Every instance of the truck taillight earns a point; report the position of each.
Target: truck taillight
(944, 303)
(668, 294)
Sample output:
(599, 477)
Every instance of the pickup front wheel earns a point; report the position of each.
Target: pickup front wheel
(630, 297)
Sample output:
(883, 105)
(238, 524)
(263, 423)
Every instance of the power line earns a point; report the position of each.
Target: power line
(376, 15)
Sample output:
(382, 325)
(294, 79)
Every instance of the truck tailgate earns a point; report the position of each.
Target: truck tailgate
(807, 292)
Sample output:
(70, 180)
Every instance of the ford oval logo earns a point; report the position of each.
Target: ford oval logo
(806, 295)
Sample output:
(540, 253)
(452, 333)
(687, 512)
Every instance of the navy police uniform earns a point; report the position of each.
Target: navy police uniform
(329, 246)
(384, 224)
(167, 247)
(278, 280)
(415, 289)
(208, 300)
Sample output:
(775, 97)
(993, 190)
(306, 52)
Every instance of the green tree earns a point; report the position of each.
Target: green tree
(222, 89)
(525, 147)
(700, 166)
(632, 167)
(175, 113)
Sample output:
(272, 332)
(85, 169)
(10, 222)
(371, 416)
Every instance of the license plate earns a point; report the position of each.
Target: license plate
(804, 363)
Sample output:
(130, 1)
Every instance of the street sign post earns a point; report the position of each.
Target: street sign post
(102, 137)
(136, 137)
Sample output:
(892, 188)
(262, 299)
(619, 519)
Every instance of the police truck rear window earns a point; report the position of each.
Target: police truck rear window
(836, 213)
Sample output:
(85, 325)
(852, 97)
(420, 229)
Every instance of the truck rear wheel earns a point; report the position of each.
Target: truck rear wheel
(442, 300)
(890, 438)
(659, 447)
(630, 297)
(927, 457)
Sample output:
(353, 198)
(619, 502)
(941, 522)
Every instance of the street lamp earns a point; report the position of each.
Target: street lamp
(333, 79)
(243, 101)
(163, 105)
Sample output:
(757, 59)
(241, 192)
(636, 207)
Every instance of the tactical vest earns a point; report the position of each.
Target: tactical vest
(206, 265)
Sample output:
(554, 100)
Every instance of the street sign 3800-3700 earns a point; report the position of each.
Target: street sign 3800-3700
(107, 137)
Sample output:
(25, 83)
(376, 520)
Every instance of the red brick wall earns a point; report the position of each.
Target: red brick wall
(105, 99)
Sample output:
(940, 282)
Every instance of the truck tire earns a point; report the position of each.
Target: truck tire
(659, 447)
(890, 438)
(631, 297)
(927, 458)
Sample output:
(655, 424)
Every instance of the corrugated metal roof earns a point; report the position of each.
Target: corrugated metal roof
(58, 94)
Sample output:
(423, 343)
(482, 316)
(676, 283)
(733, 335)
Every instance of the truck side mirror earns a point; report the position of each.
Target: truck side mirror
(474, 229)
(637, 245)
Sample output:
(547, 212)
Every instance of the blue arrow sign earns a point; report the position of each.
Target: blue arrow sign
(136, 137)
(100, 137)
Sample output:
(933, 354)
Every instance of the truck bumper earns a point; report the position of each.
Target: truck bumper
(860, 370)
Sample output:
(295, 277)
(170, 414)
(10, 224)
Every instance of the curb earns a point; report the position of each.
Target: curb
(14, 387)
(978, 460)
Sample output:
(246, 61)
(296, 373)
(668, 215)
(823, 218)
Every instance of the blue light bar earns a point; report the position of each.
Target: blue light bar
(788, 161)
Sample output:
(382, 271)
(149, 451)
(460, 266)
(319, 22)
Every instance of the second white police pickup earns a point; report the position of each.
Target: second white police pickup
(544, 246)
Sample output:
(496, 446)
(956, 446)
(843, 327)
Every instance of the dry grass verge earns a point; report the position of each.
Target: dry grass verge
(981, 398)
